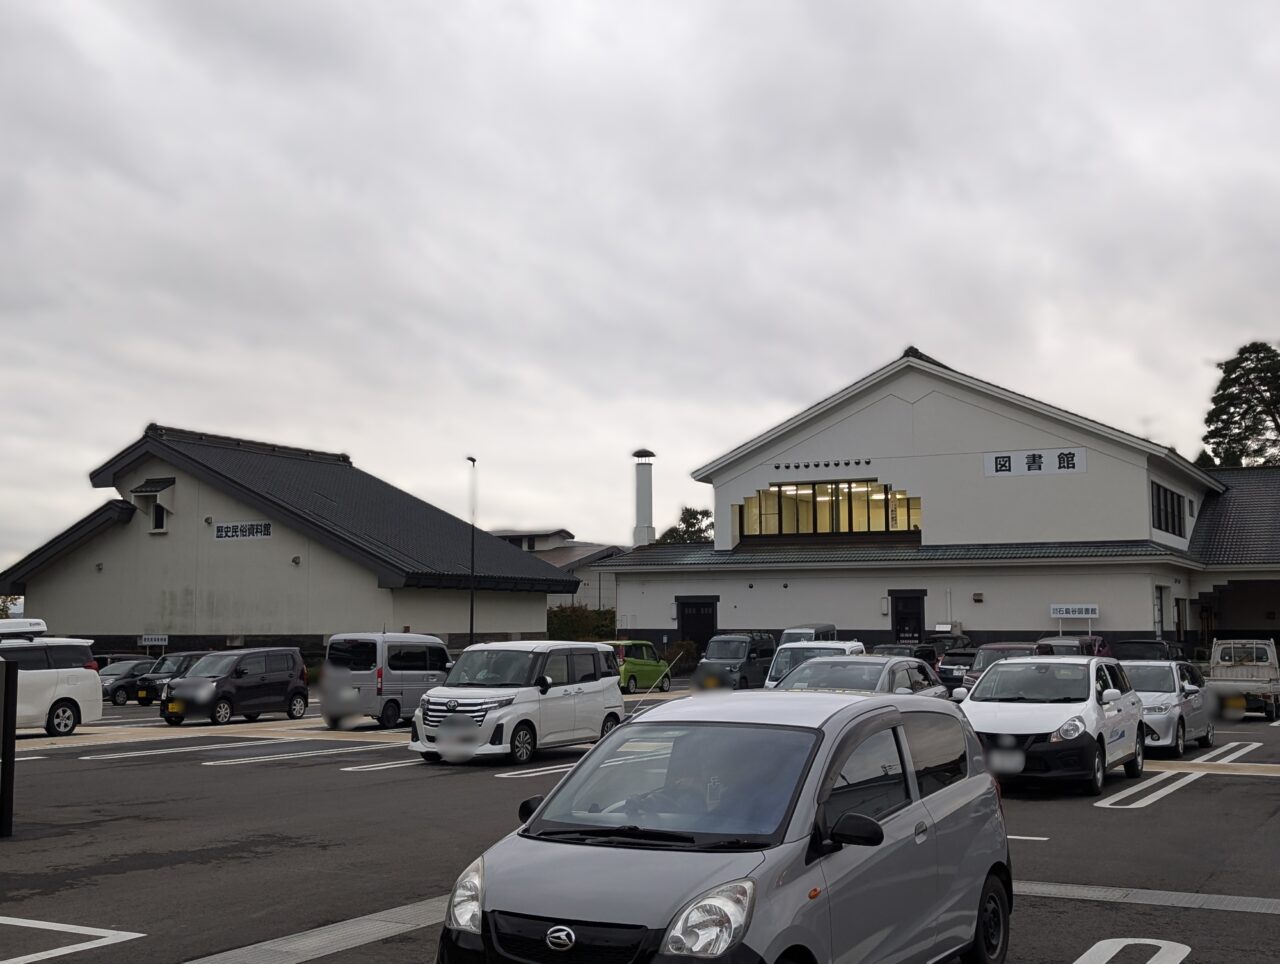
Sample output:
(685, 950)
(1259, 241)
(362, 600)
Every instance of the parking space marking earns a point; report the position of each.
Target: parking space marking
(1177, 779)
(566, 767)
(101, 938)
(369, 767)
(28, 758)
(295, 756)
(1012, 837)
(1104, 952)
(1153, 898)
(343, 936)
(245, 742)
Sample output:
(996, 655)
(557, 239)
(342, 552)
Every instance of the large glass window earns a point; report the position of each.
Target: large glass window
(829, 508)
(1168, 510)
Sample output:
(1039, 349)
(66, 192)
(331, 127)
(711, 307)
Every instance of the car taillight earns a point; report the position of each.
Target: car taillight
(379, 680)
(305, 677)
(92, 664)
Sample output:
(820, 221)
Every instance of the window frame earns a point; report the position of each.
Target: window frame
(589, 657)
(243, 663)
(915, 766)
(43, 651)
(844, 753)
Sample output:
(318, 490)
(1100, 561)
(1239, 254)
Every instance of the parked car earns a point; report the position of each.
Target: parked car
(167, 668)
(1088, 645)
(509, 699)
(726, 818)
(791, 655)
(119, 680)
(58, 683)
(245, 683)
(903, 675)
(1244, 676)
(1144, 649)
(380, 675)
(808, 633)
(1061, 717)
(736, 661)
(941, 644)
(641, 666)
(989, 653)
(954, 664)
(926, 653)
(1175, 706)
(110, 659)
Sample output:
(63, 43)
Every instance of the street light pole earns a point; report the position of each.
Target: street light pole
(471, 623)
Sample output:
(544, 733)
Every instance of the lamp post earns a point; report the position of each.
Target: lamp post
(471, 622)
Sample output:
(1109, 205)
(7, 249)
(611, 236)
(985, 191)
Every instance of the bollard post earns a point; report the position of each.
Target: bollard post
(8, 742)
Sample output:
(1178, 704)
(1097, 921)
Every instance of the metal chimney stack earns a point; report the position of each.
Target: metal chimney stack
(644, 532)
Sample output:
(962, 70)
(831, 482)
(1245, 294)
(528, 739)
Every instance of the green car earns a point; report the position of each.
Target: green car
(641, 668)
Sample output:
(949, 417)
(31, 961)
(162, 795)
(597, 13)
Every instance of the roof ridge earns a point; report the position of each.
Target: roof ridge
(166, 433)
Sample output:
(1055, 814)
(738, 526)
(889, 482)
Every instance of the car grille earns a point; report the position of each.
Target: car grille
(521, 938)
(1021, 741)
(437, 710)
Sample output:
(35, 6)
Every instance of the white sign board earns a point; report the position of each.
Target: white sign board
(1073, 610)
(242, 530)
(1051, 461)
(154, 639)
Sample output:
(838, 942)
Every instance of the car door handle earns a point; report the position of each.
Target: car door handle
(579, 690)
(922, 831)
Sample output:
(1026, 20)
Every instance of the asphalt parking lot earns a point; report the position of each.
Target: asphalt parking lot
(145, 844)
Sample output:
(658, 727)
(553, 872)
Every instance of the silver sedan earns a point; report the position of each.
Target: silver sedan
(903, 675)
(1174, 704)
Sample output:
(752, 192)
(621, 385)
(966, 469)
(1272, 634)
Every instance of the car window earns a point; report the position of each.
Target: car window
(1119, 678)
(584, 667)
(358, 655)
(27, 658)
(939, 754)
(254, 665)
(279, 663)
(69, 657)
(437, 659)
(607, 664)
(1184, 675)
(557, 668)
(871, 780)
(1196, 677)
(1101, 683)
(407, 658)
(920, 677)
(901, 680)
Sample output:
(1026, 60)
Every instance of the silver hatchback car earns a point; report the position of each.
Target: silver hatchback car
(1175, 708)
(753, 828)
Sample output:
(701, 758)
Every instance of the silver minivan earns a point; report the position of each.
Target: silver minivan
(753, 828)
(379, 675)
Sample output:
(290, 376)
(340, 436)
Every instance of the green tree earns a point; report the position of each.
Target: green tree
(6, 604)
(695, 525)
(1243, 426)
(1204, 460)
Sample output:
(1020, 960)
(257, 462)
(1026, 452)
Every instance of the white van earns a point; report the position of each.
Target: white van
(379, 675)
(509, 699)
(58, 683)
(791, 655)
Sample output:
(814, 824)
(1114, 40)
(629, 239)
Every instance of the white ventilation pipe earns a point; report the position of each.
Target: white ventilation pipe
(644, 532)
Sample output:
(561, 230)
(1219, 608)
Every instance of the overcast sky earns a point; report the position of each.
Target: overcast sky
(548, 233)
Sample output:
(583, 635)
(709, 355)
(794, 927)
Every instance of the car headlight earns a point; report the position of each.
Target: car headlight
(714, 922)
(498, 704)
(1069, 730)
(1156, 710)
(464, 902)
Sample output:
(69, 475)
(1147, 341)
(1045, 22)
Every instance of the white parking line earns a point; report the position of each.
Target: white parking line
(566, 767)
(368, 767)
(1154, 898)
(29, 758)
(101, 939)
(1223, 754)
(297, 756)
(1012, 837)
(244, 744)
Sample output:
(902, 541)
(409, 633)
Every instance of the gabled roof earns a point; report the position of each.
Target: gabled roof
(406, 541)
(13, 581)
(573, 556)
(511, 533)
(1240, 526)
(914, 358)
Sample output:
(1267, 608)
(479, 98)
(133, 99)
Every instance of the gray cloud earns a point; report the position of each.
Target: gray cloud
(548, 233)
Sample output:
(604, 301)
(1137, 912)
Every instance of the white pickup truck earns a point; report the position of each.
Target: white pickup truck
(1244, 675)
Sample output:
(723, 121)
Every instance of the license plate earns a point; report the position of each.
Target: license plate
(175, 707)
(710, 683)
(1006, 762)
(142, 694)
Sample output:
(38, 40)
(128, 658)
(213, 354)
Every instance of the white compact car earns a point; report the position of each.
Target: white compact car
(58, 683)
(509, 699)
(1057, 717)
(791, 655)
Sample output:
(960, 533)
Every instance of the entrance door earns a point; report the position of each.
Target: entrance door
(908, 619)
(696, 620)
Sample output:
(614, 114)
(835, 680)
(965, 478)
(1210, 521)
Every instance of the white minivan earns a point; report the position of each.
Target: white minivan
(379, 675)
(58, 683)
(791, 655)
(509, 699)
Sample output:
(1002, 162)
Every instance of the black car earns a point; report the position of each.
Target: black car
(922, 651)
(954, 663)
(245, 683)
(735, 661)
(167, 668)
(1141, 649)
(119, 679)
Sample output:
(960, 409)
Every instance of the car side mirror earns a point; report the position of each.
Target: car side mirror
(857, 830)
(529, 807)
(544, 684)
(240, 671)
(903, 691)
(1190, 689)
(959, 693)
(754, 654)
(448, 666)
(1111, 695)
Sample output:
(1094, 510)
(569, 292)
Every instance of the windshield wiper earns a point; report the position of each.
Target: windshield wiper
(625, 832)
(735, 843)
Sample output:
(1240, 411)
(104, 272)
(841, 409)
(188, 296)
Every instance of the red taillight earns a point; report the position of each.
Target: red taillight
(379, 680)
(305, 677)
(92, 664)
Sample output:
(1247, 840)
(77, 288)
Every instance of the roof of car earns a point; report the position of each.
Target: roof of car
(812, 643)
(1010, 645)
(391, 637)
(541, 645)
(55, 640)
(1082, 659)
(1153, 662)
(782, 707)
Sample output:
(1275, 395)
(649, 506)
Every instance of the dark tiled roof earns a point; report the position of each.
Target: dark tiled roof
(408, 542)
(151, 487)
(1240, 526)
(756, 554)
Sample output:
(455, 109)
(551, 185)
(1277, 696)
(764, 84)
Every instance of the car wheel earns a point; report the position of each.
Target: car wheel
(632, 684)
(429, 758)
(991, 934)
(609, 723)
(221, 712)
(523, 743)
(332, 722)
(146, 702)
(252, 717)
(742, 684)
(1133, 769)
(1206, 741)
(174, 720)
(297, 707)
(61, 720)
(390, 715)
(665, 684)
(119, 697)
(1098, 773)
(1269, 711)
(1180, 741)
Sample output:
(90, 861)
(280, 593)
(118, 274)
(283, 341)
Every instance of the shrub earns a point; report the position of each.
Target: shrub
(580, 623)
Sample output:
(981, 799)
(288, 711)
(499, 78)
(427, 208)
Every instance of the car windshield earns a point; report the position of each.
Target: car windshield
(985, 657)
(727, 649)
(958, 659)
(830, 675)
(682, 786)
(215, 664)
(1140, 650)
(893, 651)
(1066, 647)
(797, 635)
(117, 669)
(492, 667)
(168, 664)
(1033, 683)
(1244, 654)
(1152, 679)
(788, 659)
